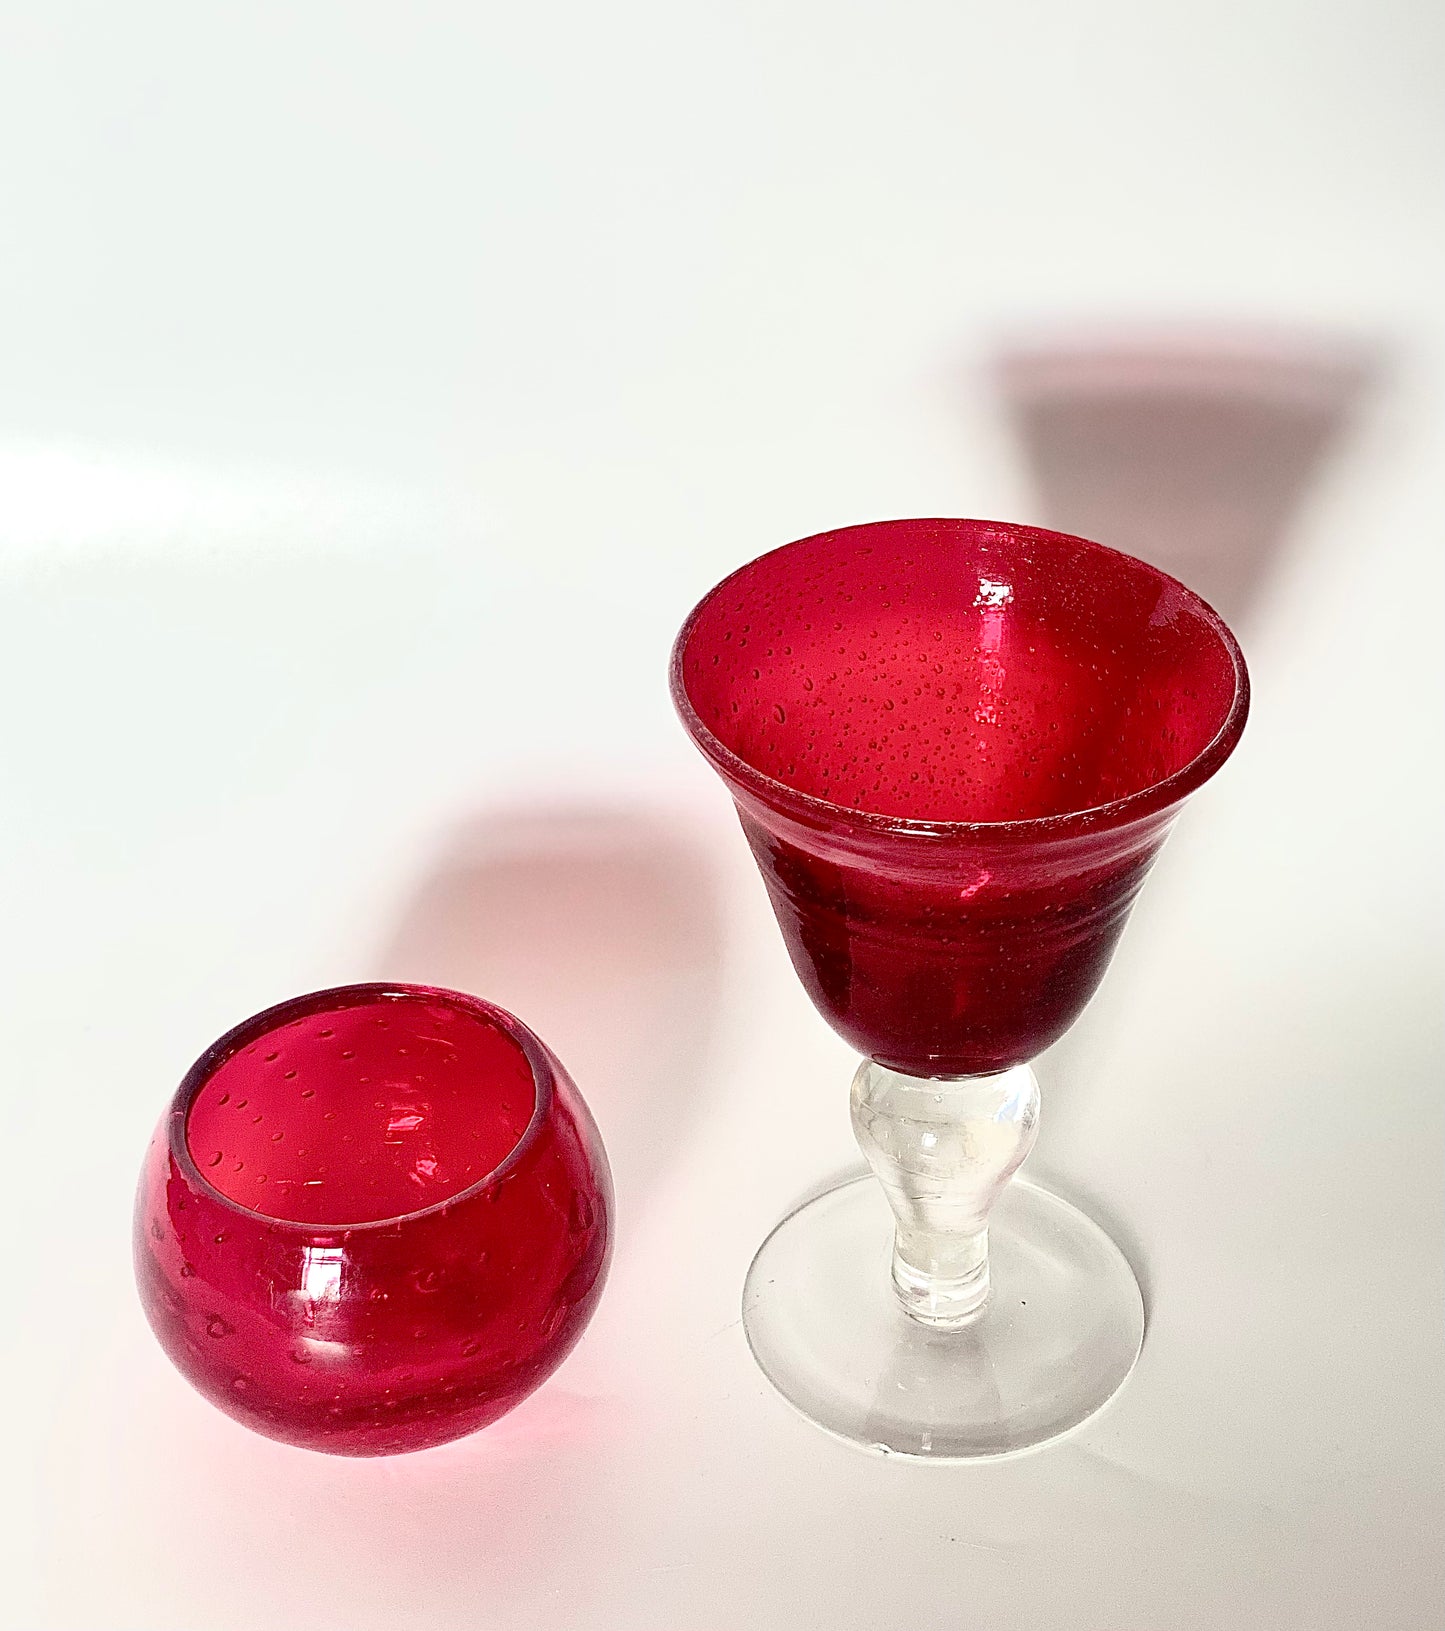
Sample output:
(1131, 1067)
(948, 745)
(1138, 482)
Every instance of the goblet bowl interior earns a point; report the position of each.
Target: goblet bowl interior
(959, 671)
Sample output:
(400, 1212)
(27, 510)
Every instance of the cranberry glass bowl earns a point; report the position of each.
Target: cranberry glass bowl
(373, 1219)
(955, 748)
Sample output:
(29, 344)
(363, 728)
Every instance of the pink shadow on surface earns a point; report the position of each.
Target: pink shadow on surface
(600, 929)
(1189, 448)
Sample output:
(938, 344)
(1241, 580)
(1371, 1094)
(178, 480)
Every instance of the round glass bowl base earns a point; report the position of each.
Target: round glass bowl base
(1060, 1332)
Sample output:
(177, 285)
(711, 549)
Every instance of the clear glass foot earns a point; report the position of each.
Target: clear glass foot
(1053, 1341)
(938, 1308)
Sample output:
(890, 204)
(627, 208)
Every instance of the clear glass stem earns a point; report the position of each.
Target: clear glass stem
(943, 1149)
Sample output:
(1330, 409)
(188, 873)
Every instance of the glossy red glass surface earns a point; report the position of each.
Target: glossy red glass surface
(956, 747)
(373, 1219)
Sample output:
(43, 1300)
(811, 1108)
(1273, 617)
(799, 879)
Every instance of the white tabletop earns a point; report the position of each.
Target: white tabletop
(380, 387)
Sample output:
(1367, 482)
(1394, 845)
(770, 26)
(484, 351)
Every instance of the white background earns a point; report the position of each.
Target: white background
(379, 385)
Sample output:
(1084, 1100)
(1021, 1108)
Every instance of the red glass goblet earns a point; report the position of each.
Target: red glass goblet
(955, 748)
(373, 1219)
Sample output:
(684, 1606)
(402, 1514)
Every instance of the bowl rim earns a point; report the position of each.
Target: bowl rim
(813, 810)
(336, 998)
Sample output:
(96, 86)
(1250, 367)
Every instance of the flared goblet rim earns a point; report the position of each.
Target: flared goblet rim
(1144, 802)
(310, 1003)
